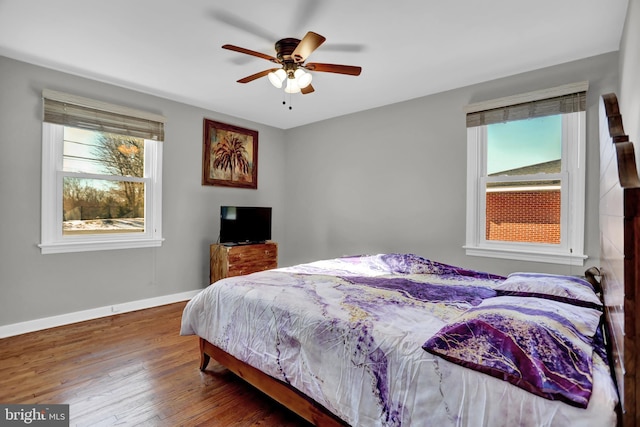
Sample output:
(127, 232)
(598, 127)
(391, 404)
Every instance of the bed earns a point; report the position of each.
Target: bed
(397, 340)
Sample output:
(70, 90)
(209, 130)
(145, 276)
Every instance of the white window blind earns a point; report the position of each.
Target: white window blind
(570, 98)
(75, 111)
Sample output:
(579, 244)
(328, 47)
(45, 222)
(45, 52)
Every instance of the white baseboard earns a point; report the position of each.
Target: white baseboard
(94, 313)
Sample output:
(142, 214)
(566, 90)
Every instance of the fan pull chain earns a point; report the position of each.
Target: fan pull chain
(284, 100)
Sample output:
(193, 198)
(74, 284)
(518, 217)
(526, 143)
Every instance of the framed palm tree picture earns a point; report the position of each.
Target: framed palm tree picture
(230, 155)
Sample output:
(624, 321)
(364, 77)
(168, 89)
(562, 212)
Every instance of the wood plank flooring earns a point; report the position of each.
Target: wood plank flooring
(131, 369)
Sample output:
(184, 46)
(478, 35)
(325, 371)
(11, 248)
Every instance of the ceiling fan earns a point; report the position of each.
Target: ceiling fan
(291, 55)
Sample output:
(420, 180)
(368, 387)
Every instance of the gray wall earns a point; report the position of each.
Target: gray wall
(629, 93)
(388, 179)
(394, 178)
(34, 286)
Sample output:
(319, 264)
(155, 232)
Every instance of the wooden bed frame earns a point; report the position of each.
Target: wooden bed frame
(279, 391)
(620, 253)
(619, 278)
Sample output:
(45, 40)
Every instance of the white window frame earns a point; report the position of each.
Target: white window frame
(571, 248)
(52, 238)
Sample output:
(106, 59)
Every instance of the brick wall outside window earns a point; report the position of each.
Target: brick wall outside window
(523, 216)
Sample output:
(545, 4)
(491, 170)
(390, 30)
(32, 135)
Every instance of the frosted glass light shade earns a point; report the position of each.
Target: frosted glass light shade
(302, 78)
(292, 86)
(277, 77)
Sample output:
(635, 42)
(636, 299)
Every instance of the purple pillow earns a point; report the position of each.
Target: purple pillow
(542, 346)
(569, 289)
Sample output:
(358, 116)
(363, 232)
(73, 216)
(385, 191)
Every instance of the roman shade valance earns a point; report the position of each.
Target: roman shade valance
(75, 111)
(559, 100)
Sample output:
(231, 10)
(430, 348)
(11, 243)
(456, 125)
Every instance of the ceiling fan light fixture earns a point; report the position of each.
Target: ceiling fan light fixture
(303, 79)
(292, 86)
(277, 77)
(291, 55)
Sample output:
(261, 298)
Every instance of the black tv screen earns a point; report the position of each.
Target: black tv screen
(244, 224)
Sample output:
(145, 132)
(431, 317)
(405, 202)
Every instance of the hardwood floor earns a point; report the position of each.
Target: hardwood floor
(131, 369)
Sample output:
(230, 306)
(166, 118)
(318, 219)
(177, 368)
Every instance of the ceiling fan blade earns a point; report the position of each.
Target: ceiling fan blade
(334, 68)
(250, 52)
(307, 89)
(243, 24)
(304, 13)
(343, 47)
(307, 45)
(252, 77)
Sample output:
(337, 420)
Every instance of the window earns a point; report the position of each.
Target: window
(526, 176)
(101, 176)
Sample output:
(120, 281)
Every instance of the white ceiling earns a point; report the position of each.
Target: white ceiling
(407, 48)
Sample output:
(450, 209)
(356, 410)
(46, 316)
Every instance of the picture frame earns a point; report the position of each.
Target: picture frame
(229, 156)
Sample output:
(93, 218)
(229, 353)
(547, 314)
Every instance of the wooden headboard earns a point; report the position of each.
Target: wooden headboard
(620, 253)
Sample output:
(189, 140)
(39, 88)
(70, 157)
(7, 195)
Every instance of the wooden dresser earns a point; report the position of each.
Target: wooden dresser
(228, 261)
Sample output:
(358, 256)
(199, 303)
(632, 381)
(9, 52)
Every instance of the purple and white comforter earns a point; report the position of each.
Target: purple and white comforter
(350, 332)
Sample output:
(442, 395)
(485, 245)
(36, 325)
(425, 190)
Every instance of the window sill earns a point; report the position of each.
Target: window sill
(552, 257)
(67, 247)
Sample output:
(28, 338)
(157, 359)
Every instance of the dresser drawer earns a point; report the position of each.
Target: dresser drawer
(252, 253)
(250, 267)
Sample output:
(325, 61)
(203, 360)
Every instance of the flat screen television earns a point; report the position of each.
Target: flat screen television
(244, 225)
